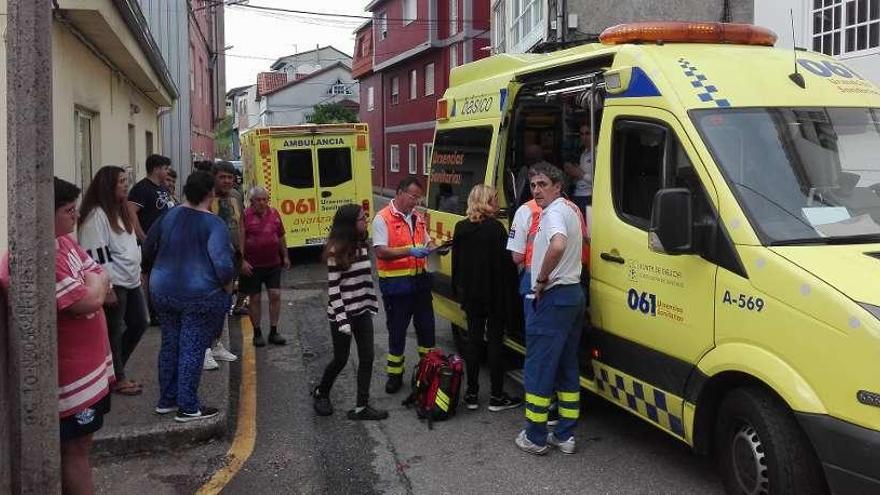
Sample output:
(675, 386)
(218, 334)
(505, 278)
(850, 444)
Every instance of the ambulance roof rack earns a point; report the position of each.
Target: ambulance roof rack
(312, 129)
(687, 32)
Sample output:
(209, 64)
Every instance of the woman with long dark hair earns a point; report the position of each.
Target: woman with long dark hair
(352, 304)
(106, 232)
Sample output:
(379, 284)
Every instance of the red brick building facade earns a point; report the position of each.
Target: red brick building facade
(402, 59)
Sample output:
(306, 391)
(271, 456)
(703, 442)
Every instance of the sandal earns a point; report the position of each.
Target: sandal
(128, 388)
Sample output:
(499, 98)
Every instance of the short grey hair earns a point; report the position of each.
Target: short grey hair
(553, 173)
(257, 190)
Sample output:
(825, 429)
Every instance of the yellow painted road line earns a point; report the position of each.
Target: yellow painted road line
(246, 432)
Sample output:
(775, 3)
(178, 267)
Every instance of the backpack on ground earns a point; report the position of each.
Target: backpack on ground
(436, 382)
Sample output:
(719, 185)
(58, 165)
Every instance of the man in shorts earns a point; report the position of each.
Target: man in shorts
(264, 254)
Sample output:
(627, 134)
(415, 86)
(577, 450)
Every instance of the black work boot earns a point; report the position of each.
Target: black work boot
(276, 339)
(259, 341)
(367, 414)
(322, 405)
(393, 384)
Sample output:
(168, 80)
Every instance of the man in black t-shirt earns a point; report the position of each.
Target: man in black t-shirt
(149, 199)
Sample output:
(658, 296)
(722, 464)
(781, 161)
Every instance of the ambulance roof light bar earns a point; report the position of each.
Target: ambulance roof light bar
(688, 32)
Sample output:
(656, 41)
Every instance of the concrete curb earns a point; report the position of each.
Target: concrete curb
(134, 428)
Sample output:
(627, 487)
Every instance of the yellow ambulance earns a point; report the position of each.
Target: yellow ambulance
(309, 170)
(735, 253)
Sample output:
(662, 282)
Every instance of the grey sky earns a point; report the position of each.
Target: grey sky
(258, 38)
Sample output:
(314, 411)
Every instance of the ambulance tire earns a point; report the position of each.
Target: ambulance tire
(761, 449)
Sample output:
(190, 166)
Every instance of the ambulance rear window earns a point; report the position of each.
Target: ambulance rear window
(295, 169)
(334, 166)
(459, 161)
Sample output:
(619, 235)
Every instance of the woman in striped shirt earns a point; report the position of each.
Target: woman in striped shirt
(351, 306)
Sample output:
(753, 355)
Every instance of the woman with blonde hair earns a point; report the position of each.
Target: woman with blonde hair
(482, 275)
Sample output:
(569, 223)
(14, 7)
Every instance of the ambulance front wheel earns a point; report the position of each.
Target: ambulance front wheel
(761, 449)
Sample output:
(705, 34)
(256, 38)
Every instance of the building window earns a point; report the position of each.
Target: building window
(453, 16)
(409, 11)
(132, 146)
(363, 47)
(339, 88)
(426, 157)
(498, 24)
(148, 138)
(429, 79)
(841, 27)
(453, 56)
(413, 157)
(383, 26)
(394, 158)
(371, 100)
(526, 20)
(83, 122)
(395, 90)
(413, 85)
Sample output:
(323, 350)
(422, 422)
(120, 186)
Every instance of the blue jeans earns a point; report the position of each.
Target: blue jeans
(553, 332)
(188, 328)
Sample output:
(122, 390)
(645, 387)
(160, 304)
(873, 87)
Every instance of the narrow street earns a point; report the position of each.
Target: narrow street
(297, 452)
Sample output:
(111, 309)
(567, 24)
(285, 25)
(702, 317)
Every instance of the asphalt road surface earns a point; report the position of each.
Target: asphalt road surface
(297, 452)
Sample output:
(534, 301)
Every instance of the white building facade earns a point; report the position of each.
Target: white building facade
(846, 29)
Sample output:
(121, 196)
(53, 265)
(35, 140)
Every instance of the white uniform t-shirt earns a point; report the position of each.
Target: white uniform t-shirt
(517, 238)
(558, 218)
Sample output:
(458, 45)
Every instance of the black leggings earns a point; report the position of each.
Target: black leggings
(362, 330)
(477, 326)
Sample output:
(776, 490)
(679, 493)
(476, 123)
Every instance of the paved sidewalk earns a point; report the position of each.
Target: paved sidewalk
(132, 425)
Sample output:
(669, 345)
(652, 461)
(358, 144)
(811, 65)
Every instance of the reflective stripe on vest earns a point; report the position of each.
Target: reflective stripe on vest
(400, 235)
(585, 236)
(535, 210)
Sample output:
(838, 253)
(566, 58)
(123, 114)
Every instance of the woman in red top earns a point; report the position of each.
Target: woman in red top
(85, 364)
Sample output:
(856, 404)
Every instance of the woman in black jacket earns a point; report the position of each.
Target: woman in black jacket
(482, 274)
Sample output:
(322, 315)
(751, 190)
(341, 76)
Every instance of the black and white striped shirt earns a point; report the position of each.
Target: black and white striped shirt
(350, 292)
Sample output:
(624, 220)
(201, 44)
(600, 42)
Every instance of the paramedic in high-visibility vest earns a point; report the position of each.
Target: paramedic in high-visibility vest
(402, 244)
(554, 317)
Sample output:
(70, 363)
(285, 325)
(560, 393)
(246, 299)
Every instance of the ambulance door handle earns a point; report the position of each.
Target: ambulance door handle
(326, 194)
(614, 258)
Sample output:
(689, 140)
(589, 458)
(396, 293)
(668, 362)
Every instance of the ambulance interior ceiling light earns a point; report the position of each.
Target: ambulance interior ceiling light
(688, 32)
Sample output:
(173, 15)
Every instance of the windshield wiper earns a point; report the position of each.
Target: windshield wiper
(847, 239)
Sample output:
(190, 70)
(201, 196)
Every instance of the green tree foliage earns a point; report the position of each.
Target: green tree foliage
(331, 113)
(223, 138)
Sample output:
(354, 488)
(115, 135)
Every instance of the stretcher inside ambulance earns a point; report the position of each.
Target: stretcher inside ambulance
(735, 235)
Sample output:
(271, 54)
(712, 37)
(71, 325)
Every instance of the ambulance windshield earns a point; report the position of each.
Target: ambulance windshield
(802, 175)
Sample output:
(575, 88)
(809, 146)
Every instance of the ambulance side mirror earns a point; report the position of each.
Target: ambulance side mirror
(671, 229)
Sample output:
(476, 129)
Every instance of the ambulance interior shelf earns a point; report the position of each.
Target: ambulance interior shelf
(549, 112)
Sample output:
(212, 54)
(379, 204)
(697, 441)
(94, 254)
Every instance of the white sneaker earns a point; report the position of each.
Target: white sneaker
(210, 363)
(221, 354)
(566, 447)
(526, 445)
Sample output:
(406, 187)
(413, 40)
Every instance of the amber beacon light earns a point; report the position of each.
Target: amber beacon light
(688, 32)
